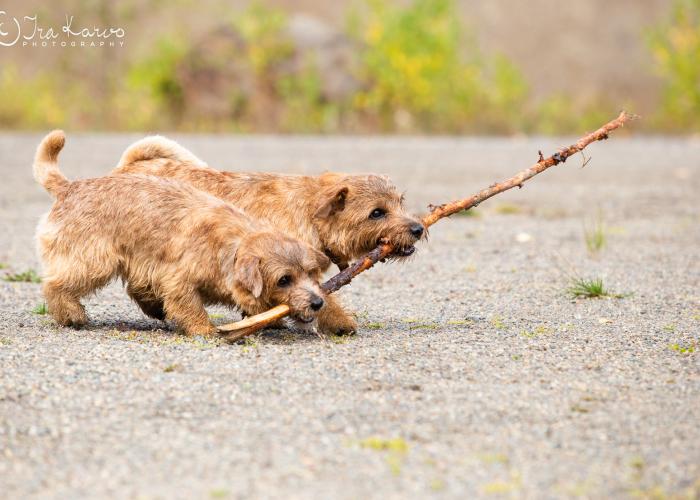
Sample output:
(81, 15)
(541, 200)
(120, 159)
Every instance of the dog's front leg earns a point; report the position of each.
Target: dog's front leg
(333, 320)
(185, 307)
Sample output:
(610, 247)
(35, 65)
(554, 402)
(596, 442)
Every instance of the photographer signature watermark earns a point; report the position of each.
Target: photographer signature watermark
(28, 32)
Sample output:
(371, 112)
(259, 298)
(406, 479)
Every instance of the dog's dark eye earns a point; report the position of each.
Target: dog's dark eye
(285, 280)
(377, 213)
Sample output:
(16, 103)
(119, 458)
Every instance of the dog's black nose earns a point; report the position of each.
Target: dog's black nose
(316, 303)
(417, 230)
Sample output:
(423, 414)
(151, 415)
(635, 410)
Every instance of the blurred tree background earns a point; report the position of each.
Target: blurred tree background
(361, 66)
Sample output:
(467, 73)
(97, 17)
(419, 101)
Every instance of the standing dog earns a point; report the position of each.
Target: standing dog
(342, 215)
(176, 247)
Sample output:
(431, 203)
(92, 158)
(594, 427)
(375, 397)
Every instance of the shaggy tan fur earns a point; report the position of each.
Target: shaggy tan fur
(176, 247)
(342, 215)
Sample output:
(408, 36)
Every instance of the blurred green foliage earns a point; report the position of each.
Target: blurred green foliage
(560, 113)
(262, 28)
(304, 108)
(421, 73)
(296, 96)
(417, 70)
(156, 76)
(675, 45)
(28, 104)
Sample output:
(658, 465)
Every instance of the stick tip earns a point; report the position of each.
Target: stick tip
(627, 116)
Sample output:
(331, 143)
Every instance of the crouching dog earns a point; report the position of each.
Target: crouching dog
(342, 215)
(176, 248)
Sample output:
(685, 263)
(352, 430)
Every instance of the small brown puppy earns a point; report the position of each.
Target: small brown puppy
(176, 247)
(342, 215)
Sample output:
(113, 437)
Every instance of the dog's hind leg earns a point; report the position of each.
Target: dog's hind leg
(151, 305)
(67, 279)
(64, 303)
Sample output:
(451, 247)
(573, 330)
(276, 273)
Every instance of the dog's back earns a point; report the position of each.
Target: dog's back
(277, 199)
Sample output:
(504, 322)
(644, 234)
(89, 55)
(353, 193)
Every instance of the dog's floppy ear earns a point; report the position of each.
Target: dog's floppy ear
(319, 259)
(333, 204)
(246, 271)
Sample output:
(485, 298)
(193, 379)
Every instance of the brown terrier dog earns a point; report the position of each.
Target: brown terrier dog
(342, 215)
(176, 247)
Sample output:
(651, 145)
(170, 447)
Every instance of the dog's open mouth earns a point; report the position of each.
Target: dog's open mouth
(405, 251)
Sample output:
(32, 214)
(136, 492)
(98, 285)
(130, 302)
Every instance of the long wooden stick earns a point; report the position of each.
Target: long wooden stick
(252, 324)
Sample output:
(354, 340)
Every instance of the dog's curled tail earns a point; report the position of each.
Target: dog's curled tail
(46, 170)
(158, 147)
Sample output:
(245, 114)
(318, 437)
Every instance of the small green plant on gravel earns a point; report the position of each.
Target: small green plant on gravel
(578, 408)
(537, 332)
(50, 323)
(595, 236)
(5, 341)
(396, 449)
(361, 315)
(670, 328)
(175, 367)
(395, 462)
(577, 489)
(41, 309)
(377, 443)
(339, 339)
(460, 322)
(684, 349)
(374, 326)
(494, 458)
(249, 343)
(587, 288)
(160, 337)
(655, 492)
(28, 276)
(219, 493)
(497, 488)
(497, 322)
(637, 464)
(437, 484)
(503, 487)
(424, 326)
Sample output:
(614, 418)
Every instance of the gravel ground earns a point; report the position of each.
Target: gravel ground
(474, 374)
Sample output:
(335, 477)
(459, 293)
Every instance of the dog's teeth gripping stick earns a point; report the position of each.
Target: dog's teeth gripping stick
(252, 324)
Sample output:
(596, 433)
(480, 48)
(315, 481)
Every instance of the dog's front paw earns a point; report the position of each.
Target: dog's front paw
(203, 329)
(336, 323)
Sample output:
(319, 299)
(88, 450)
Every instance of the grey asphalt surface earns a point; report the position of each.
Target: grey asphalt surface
(474, 374)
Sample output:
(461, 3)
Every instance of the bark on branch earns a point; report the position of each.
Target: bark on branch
(252, 324)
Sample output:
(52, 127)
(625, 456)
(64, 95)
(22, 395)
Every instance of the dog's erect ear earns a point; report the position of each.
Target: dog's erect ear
(246, 271)
(335, 203)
